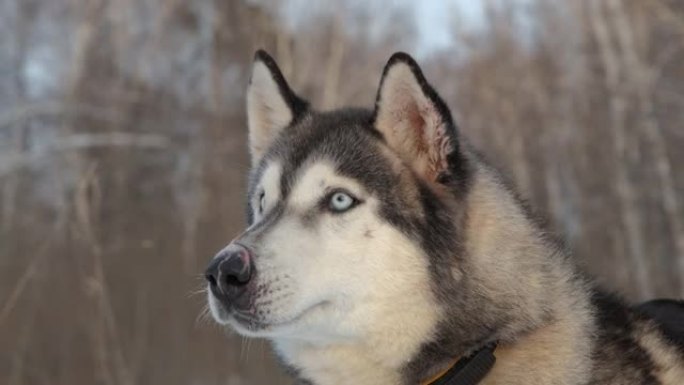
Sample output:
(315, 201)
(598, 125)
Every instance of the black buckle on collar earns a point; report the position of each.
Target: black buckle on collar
(469, 370)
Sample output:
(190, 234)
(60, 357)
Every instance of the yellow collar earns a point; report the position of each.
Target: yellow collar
(441, 373)
(469, 370)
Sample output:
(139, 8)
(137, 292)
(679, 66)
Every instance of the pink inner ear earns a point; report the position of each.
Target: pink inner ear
(436, 144)
(412, 125)
(417, 124)
(420, 133)
(442, 149)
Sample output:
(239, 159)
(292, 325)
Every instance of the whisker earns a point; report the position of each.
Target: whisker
(202, 290)
(242, 349)
(204, 316)
(249, 346)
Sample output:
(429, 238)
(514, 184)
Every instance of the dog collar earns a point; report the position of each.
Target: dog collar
(468, 370)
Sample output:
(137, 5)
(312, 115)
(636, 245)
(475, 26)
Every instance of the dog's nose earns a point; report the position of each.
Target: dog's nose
(229, 272)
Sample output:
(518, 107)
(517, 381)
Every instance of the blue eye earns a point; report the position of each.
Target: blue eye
(341, 202)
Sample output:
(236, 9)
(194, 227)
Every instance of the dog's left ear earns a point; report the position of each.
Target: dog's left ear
(271, 104)
(414, 120)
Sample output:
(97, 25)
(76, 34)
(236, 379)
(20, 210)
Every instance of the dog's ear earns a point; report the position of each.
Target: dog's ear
(271, 104)
(414, 120)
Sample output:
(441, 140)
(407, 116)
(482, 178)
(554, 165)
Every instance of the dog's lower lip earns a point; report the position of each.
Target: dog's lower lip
(255, 324)
(249, 321)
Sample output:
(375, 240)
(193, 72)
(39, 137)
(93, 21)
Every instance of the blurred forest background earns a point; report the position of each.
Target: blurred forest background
(123, 162)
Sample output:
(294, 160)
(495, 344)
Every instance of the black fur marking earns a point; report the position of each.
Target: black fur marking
(669, 316)
(343, 137)
(618, 355)
(451, 339)
(252, 181)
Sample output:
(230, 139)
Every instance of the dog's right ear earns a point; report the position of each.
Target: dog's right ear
(415, 121)
(271, 104)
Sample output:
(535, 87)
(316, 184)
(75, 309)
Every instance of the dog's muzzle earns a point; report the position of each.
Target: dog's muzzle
(229, 275)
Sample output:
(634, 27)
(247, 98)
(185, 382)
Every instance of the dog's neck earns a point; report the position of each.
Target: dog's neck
(336, 364)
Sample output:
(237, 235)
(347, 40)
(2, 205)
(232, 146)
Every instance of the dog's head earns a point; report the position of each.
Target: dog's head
(350, 212)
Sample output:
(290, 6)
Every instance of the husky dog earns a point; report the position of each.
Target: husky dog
(382, 249)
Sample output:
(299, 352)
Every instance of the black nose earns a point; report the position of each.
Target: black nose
(229, 272)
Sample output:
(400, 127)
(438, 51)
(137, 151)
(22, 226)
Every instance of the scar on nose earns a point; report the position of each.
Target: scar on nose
(368, 233)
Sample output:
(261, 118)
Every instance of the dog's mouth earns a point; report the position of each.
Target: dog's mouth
(253, 325)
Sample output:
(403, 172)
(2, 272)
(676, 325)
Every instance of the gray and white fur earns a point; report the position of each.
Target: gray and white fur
(381, 246)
